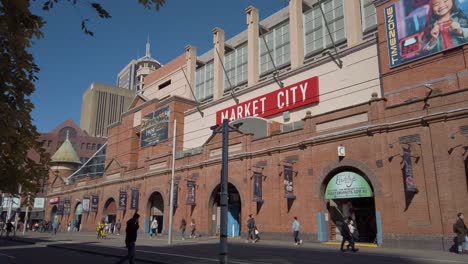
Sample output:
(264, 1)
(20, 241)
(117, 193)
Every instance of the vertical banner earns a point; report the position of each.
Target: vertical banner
(288, 182)
(257, 187)
(94, 203)
(123, 201)
(191, 192)
(134, 202)
(60, 208)
(176, 194)
(85, 205)
(410, 187)
(66, 207)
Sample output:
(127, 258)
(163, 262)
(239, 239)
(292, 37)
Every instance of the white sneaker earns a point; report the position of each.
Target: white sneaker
(300, 242)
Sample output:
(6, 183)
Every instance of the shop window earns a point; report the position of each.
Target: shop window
(277, 40)
(235, 63)
(204, 82)
(93, 147)
(316, 34)
(368, 15)
(99, 146)
(88, 146)
(82, 145)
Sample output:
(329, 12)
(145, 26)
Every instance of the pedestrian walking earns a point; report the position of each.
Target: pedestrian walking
(154, 227)
(9, 228)
(183, 226)
(251, 229)
(130, 239)
(55, 226)
(295, 228)
(459, 228)
(118, 226)
(347, 235)
(193, 229)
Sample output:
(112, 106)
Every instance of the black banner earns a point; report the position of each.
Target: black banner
(154, 127)
(134, 202)
(86, 205)
(60, 208)
(410, 186)
(66, 207)
(257, 187)
(288, 182)
(123, 201)
(94, 203)
(191, 192)
(176, 194)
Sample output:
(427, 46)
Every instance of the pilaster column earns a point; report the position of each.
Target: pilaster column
(296, 33)
(191, 64)
(353, 26)
(218, 73)
(252, 45)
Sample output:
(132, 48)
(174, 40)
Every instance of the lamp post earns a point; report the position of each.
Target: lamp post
(171, 202)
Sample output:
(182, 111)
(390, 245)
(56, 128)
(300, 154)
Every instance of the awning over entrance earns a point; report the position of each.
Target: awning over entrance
(347, 184)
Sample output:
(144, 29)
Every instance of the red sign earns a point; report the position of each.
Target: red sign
(293, 96)
(54, 200)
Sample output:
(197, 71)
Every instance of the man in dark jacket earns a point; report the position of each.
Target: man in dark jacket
(130, 238)
(251, 229)
(460, 229)
(347, 235)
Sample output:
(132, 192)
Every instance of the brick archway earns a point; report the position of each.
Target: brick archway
(328, 172)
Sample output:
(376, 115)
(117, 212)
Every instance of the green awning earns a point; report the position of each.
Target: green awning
(347, 184)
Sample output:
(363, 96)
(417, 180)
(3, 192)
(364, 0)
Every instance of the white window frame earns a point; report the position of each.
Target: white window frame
(274, 45)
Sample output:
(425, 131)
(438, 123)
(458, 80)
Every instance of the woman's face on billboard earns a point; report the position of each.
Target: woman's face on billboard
(441, 7)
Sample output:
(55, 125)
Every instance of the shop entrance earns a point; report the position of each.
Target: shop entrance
(349, 194)
(155, 210)
(53, 213)
(234, 211)
(110, 211)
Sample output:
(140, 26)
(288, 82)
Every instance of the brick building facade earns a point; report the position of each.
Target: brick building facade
(375, 145)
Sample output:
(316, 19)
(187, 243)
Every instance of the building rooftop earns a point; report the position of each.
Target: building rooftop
(66, 153)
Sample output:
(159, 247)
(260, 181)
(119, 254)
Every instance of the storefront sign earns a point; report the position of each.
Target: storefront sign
(257, 187)
(134, 201)
(410, 186)
(154, 127)
(39, 202)
(123, 201)
(347, 184)
(13, 202)
(285, 99)
(288, 183)
(86, 205)
(191, 192)
(416, 29)
(54, 200)
(94, 203)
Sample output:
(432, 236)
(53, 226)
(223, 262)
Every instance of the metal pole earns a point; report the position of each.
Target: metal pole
(171, 203)
(10, 202)
(19, 208)
(224, 190)
(26, 216)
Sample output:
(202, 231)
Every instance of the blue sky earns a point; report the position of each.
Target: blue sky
(70, 61)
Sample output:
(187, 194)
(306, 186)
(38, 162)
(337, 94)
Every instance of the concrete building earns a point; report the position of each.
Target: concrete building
(103, 105)
(348, 126)
(131, 76)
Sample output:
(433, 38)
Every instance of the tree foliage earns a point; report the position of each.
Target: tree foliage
(23, 161)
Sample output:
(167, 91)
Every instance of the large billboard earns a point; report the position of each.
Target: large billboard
(420, 28)
(155, 127)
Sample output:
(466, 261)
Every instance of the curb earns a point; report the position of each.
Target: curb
(95, 252)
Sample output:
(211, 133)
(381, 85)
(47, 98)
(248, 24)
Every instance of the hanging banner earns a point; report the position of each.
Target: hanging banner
(410, 186)
(134, 201)
(39, 202)
(347, 184)
(257, 187)
(420, 28)
(176, 194)
(123, 201)
(288, 182)
(85, 205)
(60, 208)
(191, 192)
(154, 127)
(94, 203)
(66, 207)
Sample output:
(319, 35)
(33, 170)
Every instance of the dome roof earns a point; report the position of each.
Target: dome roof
(66, 153)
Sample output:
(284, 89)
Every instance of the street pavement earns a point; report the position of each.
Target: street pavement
(69, 248)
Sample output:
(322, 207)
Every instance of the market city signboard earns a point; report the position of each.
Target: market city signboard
(347, 184)
(39, 202)
(290, 97)
(154, 127)
(420, 28)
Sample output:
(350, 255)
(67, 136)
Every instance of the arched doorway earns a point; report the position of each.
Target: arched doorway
(348, 193)
(110, 211)
(155, 209)
(53, 213)
(234, 211)
(77, 219)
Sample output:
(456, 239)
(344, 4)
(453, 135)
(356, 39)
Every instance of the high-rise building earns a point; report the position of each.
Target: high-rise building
(131, 76)
(103, 105)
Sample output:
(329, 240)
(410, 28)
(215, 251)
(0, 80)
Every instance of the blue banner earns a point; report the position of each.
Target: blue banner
(123, 201)
(191, 192)
(94, 203)
(257, 187)
(288, 182)
(154, 127)
(410, 186)
(134, 202)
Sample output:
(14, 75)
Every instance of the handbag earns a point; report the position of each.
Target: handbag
(256, 232)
